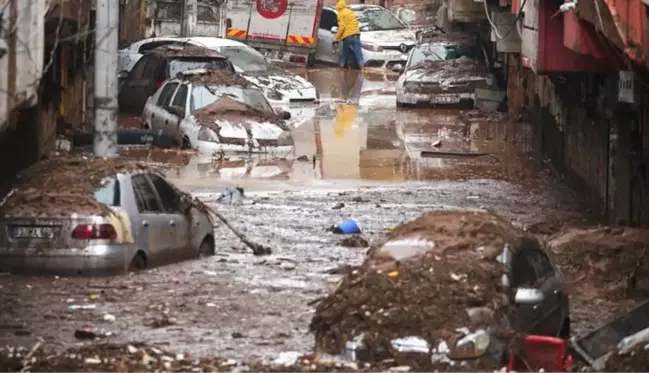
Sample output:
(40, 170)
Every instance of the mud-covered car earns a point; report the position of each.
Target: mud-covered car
(282, 88)
(415, 16)
(385, 40)
(455, 287)
(98, 216)
(218, 111)
(159, 64)
(443, 70)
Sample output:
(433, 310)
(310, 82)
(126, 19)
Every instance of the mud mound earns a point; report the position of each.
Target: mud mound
(235, 112)
(605, 262)
(635, 360)
(62, 186)
(425, 294)
(450, 231)
(186, 50)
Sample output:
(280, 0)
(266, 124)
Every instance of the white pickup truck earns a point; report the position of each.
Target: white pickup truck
(282, 30)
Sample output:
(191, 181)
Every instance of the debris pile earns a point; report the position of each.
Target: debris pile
(64, 185)
(422, 282)
(634, 360)
(217, 77)
(604, 262)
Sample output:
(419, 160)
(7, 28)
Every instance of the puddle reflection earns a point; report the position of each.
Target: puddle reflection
(358, 133)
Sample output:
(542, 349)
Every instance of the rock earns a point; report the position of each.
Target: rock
(92, 360)
(110, 318)
(400, 368)
(236, 335)
(85, 334)
(354, 241)
(338, 206)
(131, 349)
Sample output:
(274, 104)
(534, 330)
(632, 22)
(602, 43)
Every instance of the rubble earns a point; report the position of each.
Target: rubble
(217, 77)
(634, 360)
(426, 294)
(143, 358)
(604, 262)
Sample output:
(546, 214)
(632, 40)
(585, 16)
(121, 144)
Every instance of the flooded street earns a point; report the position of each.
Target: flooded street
(355, 149)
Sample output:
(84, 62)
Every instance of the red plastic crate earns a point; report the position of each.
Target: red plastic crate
(541, 352)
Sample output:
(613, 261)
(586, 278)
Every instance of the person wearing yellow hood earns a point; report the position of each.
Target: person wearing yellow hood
(349, 33)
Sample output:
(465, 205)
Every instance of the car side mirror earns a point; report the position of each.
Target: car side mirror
(397, 68)
(526, 296)
(334, 30)
(177, 111)
(285, 115)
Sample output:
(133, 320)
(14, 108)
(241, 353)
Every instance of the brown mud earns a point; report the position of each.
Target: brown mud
(424, 295)
(64, 185)
(635, 360)
(219, 77)
(604, 262)
(235, 112)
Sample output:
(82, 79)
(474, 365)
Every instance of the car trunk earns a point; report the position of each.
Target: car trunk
(40, 233)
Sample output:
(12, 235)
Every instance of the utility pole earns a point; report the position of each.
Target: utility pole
(106, 104)
(191, 18)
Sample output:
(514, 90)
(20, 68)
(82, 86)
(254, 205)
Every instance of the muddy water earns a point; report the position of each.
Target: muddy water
(357, 133)
(367, 156)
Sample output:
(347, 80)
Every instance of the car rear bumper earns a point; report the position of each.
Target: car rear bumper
(102, 259)
(433, 98)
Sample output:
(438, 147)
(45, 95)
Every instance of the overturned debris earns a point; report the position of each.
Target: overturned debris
(431, 292)
(634, 360)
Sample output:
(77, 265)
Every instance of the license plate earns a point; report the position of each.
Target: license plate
(33, 232)
(445, 100)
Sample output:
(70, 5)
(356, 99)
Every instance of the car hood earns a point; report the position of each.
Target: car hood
(285, 82)
(389, 38)
(444, 72)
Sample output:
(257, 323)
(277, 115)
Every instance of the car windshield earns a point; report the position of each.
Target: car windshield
(440, 52)
(377, 19)
(179, 65)
(205, 95)
(108, 194)
(248, 60)
(407, 16)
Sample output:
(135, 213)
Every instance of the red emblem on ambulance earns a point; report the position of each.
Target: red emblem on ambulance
(271, 9)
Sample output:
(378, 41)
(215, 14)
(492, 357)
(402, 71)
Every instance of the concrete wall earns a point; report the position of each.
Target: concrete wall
(599, 144)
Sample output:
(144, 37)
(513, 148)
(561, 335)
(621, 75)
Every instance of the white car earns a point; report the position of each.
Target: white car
(217, 112)
(283, 89)
(444, 70)
(385, 40)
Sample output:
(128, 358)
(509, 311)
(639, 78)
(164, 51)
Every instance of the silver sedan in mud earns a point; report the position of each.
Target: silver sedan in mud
(446, 71)
(145, 222)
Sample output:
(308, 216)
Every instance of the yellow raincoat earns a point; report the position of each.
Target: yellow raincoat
(345, 118)
(347, 22)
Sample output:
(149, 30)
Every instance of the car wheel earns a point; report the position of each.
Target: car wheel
(207, 248)
(310, 60)
(139, 262)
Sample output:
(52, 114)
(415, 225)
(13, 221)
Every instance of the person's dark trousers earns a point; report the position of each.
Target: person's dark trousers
(353, 44)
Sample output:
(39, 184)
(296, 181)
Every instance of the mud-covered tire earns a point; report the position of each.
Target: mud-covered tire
(207, 248)
(310, 60)
(138, 262)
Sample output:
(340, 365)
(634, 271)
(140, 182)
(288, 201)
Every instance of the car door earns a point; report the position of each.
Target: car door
(325, 50)
(179, 101)
(179, 229)
(159, 114)
(152, 227)
(131, 88)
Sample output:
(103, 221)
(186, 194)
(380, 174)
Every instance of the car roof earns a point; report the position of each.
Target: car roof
(186, 50)
(211, 42)
(364, 6)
